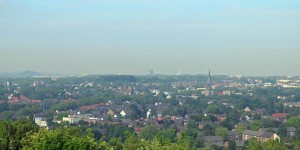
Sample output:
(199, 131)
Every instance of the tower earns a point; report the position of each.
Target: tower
(209, 84)
(209, 79)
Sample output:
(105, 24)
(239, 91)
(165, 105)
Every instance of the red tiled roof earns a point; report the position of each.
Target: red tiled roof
(24, 98)
(277, 115)
(36, 101)
(220, 93)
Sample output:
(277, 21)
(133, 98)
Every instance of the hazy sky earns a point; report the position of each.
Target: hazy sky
(247, 37)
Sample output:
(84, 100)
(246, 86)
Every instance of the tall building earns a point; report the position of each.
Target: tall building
(209, 80)
(208, 85)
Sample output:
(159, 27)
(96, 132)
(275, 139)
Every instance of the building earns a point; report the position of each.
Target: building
(290, 131)
(259, 135)
(232, 135)
(280, 116)
(221, 117)
(247, 109)
(40, 121)
(213, 140)
(293, 104)
(72, 119)
(208, 86)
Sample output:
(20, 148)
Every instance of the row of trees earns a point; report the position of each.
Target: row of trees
(24, 134)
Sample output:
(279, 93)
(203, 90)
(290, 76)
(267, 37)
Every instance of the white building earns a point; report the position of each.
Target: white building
(40, 121)
(72, 119)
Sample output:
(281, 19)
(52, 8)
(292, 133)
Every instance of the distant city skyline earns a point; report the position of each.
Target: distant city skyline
(234, 37)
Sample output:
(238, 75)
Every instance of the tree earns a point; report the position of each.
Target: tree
(11, 133)
(148, 132)
(208, 130)
(231, 145)
(221, 131)
(166, 136)
(282, 131)
(253, 144)
(61, 138)
(240, 129)
(274, 145)
(255, 125)
(293, 122)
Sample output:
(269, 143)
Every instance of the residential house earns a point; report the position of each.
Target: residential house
(293, 104)
(280, 116)
(73, 119)
(13, 99)
(259, 135)
(259, 112)
(213, 140)
(247, 109)
(232, 135)
(24, 98)
(111, 113)
(36, 101)
(290, 131)
(40, 121)
(239, 144)
(221, 117)
(123, 113)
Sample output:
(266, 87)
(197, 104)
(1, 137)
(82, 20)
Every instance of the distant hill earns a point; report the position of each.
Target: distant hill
(22, 74)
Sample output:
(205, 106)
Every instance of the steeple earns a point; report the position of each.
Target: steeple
(209, 79)
(209, 84)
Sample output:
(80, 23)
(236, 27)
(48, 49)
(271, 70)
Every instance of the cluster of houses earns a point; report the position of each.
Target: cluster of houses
(107, 113)
(21, 99)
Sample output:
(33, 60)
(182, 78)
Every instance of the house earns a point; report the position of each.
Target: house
(239, 144)
(24, 98)
(36, 101)
(111, 113)
(294, 104)
(259, 112)
(122, 113)
(232, 135)
(273, 130)
(290, 131)
(83, 109)
(137, 129)
(72, 119)
(201, 125)
(213, 140)
(194, 96)
(259, 135)
(220, 93)
(247, 109)
(13, 99)
(160, 120)
(221, 117)
(280, 116)
(40, 121)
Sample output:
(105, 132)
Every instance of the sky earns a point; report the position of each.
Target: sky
(230, 37)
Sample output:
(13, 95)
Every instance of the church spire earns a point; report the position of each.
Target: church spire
(209, 79)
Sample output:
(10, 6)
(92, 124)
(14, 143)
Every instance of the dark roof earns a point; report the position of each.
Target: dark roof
(258, 134)
(212, 138)
(268, 129)
(252, 133)
(231, 133)
(267, 134)
(220, 115)
(239, 143)
(291, 129)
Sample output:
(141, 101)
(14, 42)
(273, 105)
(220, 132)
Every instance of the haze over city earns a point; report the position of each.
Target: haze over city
(132, 36)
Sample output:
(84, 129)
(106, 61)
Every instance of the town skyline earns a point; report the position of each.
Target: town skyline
(130, 37)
